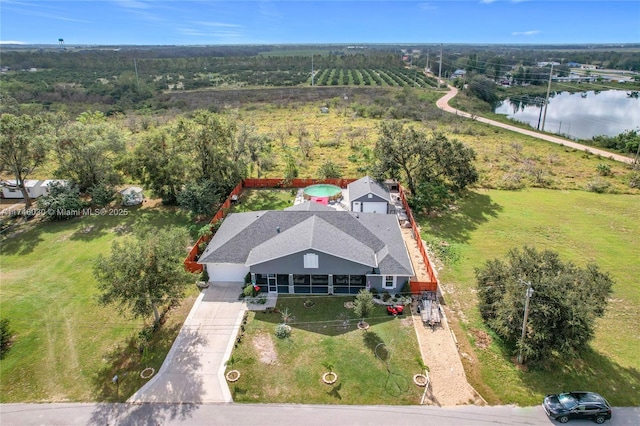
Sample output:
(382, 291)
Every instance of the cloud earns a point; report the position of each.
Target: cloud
(525, 33)
(133, 4)
(36, 9)
(217, 24)
(428, 6)
(12, 42)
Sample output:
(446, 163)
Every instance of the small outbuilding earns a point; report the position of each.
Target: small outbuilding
(34, 188)
(132, 196)
(368, 196)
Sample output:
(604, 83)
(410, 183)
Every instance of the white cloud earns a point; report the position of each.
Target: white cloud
(525, 33)
(12, 42)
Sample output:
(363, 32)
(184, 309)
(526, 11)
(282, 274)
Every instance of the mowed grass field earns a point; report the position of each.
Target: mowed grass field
(66, 346)
(582, 227)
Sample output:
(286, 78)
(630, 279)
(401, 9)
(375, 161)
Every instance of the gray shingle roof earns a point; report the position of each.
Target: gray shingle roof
(366, 238)
(310, 206)
(364, 186)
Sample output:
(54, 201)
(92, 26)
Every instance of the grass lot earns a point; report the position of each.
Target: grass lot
(264, 199)
(581, 227)
(290, 370)
(67, 347)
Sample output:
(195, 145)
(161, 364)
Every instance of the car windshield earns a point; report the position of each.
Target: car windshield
(567, 400)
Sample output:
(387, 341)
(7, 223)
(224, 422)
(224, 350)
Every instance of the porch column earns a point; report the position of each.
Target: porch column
(330, 283)
(291, 286)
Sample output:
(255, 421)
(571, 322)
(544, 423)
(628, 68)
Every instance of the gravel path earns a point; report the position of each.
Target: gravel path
(449, 385)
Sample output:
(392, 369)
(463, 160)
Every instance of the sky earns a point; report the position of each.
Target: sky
(168, 22)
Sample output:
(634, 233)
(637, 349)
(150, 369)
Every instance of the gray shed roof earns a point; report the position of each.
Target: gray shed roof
(366, 238)
(364, 186)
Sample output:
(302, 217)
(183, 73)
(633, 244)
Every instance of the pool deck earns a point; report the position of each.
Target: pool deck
(340, 204)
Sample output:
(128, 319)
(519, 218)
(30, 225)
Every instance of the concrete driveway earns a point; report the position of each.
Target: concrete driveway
(193, 371)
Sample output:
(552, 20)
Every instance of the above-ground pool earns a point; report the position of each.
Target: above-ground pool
(332, 192)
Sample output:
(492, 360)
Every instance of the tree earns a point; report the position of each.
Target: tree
(363, 305)
(62, 202)
(23, 147)
(562, 310)
(483, 88)
(424, 163)
(144, 272)
(201, 198)
(329, 170)
(88, 151)
(159, 163)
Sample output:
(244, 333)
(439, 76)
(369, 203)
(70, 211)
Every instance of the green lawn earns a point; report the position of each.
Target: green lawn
(290, 370)
(582, 227)
(67, 347)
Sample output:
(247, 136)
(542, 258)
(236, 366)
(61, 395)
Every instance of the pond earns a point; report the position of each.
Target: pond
(577, 115)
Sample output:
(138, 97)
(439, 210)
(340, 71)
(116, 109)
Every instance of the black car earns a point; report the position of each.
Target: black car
(577, 405)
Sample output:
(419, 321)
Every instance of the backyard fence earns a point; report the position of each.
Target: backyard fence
(191, 261)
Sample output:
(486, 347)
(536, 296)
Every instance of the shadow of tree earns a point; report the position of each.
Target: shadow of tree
(589, 370)
(456, 227)
(141, 414)
(335, 391)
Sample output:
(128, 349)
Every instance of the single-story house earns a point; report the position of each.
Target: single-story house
(132, 196)
(368, 196)
(310, 248)
(34, 188)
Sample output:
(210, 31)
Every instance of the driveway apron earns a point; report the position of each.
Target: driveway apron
(193, 371)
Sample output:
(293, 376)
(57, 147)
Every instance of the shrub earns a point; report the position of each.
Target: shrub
(249, 291)
(283, 331)
(603, 169)
(386, 296)
(406, 289)
(598, 185)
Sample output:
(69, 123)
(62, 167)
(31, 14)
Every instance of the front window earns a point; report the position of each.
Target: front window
(388, 281)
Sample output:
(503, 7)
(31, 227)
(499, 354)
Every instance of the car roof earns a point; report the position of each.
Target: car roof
(589, 397)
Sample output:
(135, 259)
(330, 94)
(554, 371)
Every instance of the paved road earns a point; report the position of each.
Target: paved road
(281, 414)
(443, 104)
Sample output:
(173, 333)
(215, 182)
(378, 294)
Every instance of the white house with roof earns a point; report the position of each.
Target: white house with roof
(35, 188)
(368, 196)
(310, 249)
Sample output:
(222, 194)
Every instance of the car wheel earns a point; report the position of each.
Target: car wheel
(600, 419)
(563, 419)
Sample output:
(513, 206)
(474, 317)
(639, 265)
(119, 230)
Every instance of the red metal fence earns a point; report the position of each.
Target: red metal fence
(191, 261)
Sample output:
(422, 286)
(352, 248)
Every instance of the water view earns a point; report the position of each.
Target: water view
(578, 115)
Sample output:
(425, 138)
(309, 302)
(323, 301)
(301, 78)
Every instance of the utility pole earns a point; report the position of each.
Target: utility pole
(546, 102)
(440, 68)
(528, 295)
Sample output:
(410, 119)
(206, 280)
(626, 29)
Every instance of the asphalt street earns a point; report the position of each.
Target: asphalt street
(147, 414)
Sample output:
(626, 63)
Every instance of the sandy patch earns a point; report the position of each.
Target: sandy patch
(265, 348)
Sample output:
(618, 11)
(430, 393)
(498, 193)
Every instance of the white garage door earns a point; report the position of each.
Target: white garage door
(374, 207)
(226, 272)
